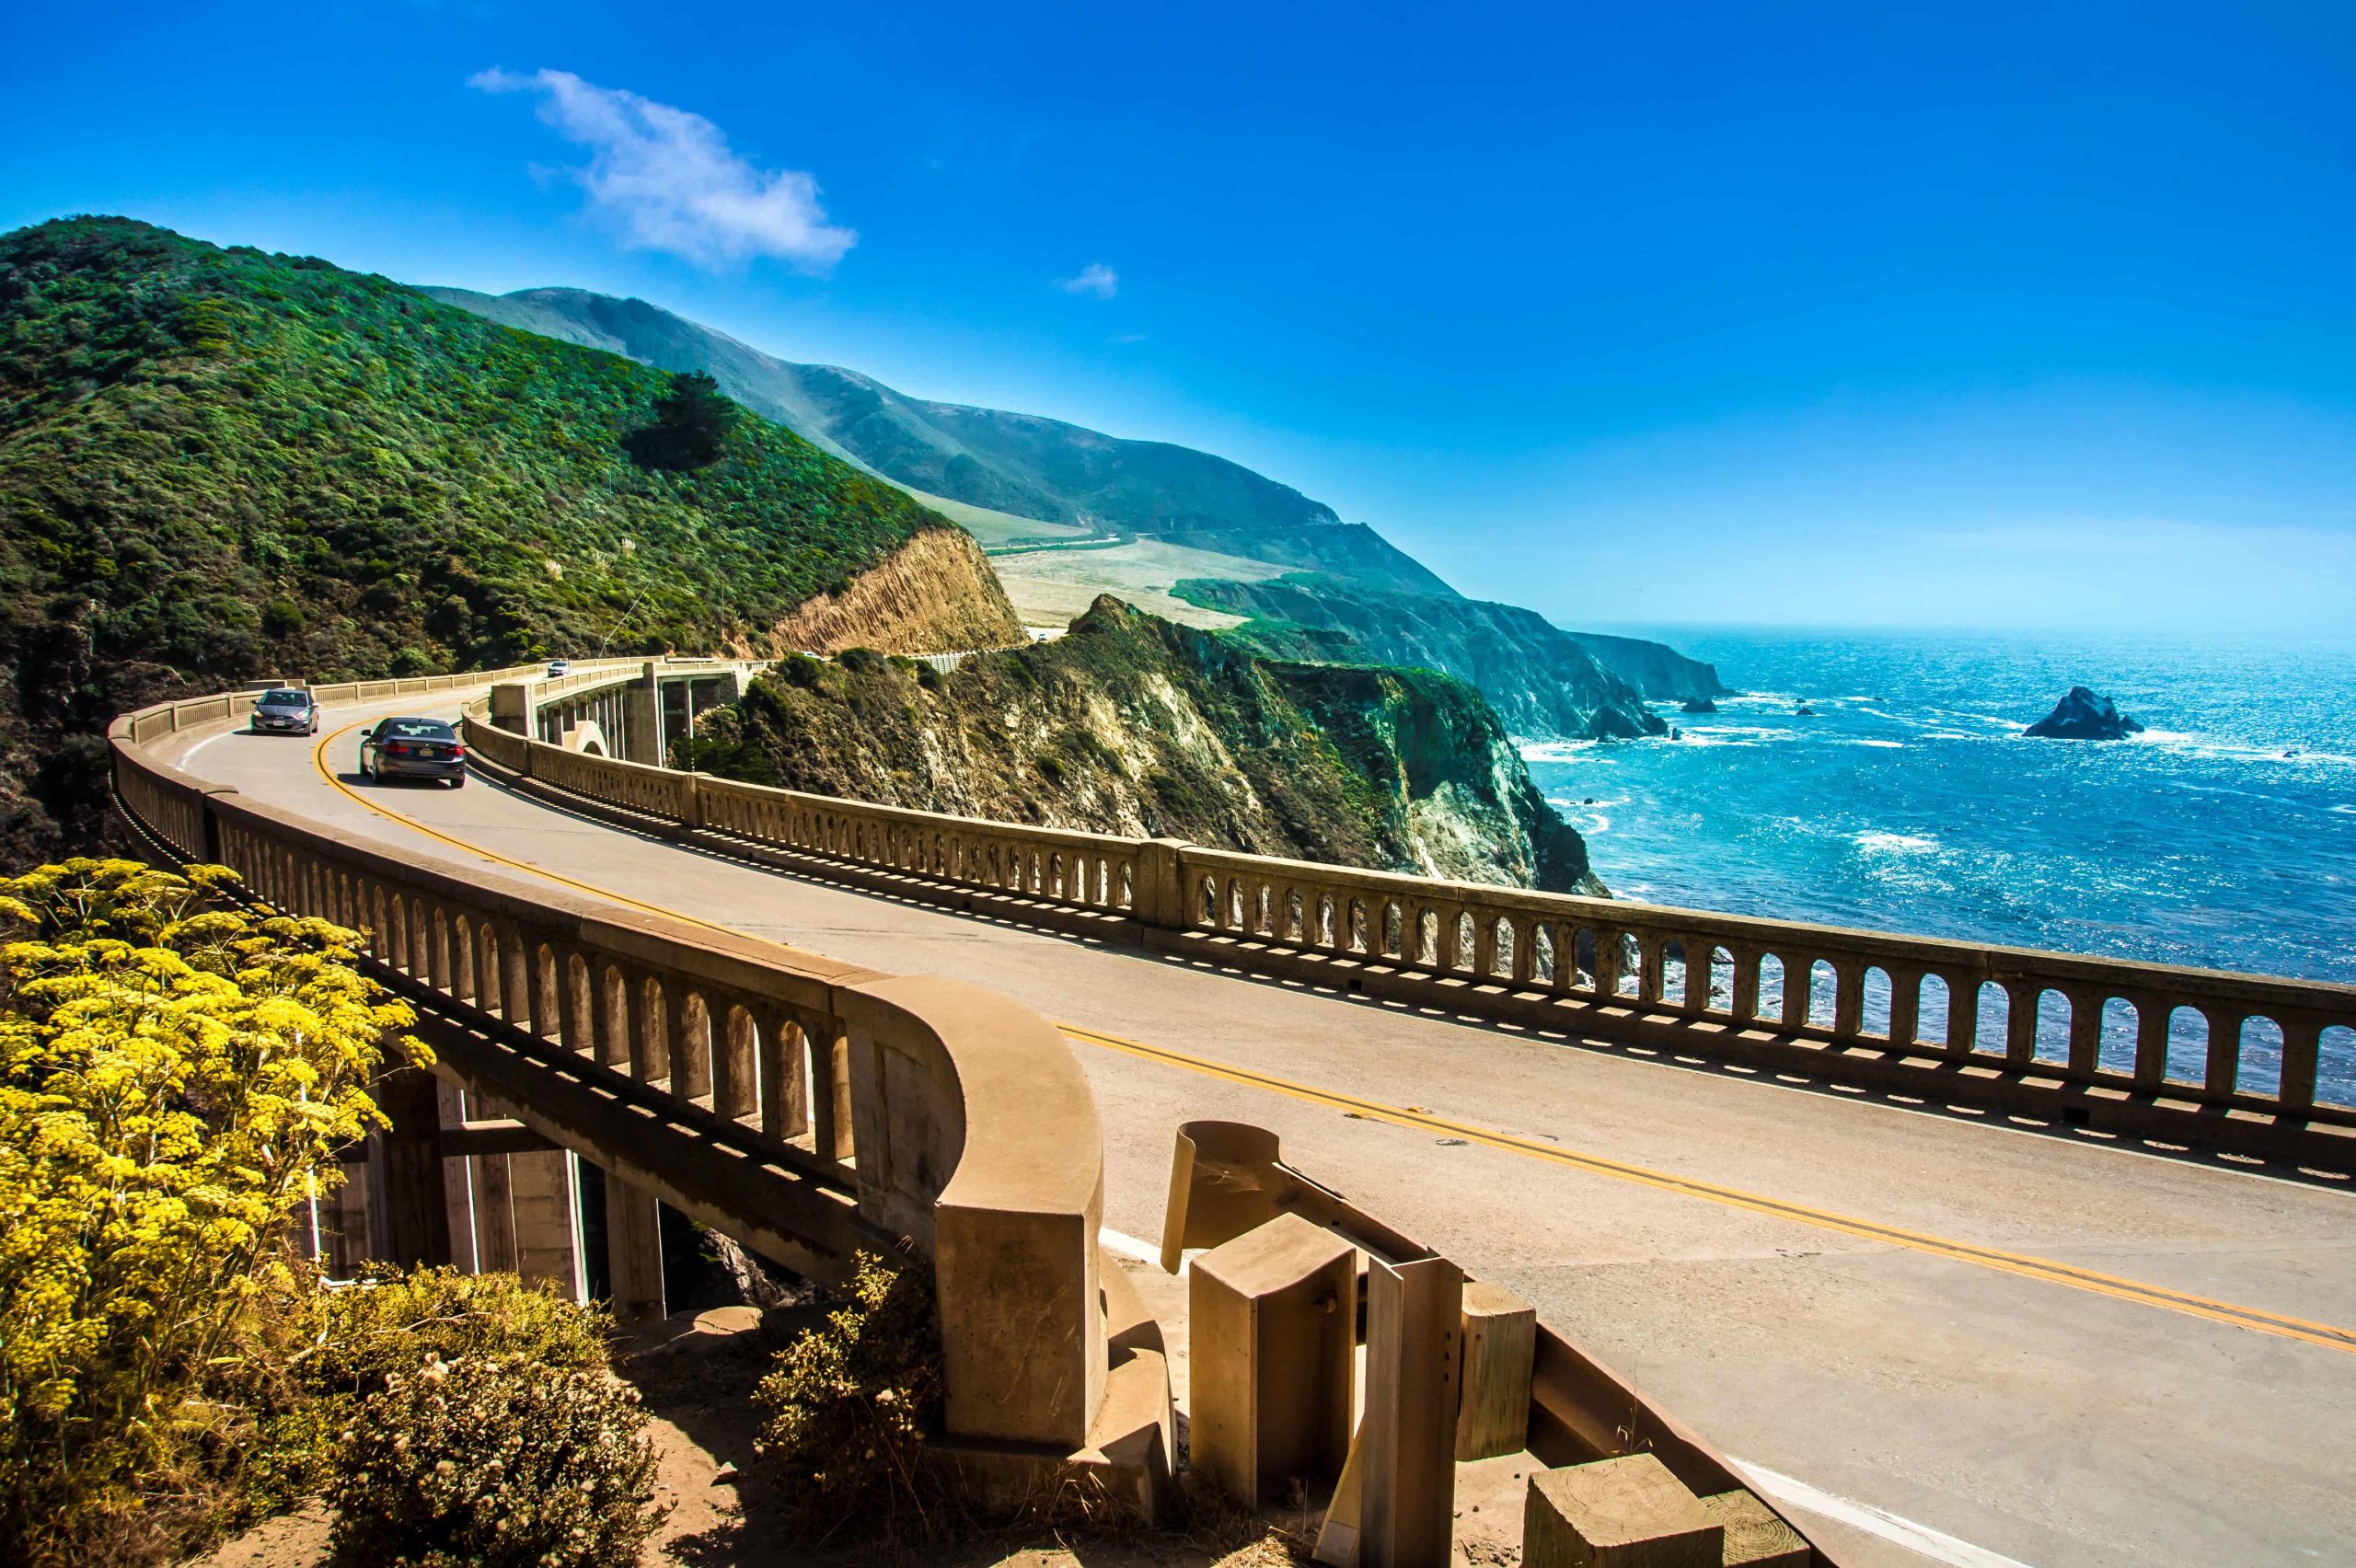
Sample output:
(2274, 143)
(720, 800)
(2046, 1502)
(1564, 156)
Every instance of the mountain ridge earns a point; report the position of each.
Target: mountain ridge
(1028, 464)
(1062, 476)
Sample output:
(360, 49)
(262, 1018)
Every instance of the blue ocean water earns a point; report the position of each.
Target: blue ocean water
(2224, 836)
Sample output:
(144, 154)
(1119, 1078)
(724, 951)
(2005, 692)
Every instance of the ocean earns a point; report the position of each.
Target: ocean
(2224, 837)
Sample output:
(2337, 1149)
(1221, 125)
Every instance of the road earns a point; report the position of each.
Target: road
(2038, 1345)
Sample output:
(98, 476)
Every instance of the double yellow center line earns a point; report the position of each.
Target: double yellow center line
(2025, 1265)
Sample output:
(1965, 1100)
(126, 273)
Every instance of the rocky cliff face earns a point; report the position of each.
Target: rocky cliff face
(1539, 678)
(936, 593)
(1131, 725)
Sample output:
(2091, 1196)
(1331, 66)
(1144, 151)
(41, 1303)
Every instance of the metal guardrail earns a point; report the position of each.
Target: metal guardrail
(2227, 1060)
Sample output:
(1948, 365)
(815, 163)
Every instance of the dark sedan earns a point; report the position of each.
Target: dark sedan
(413, 748)
(285, 711)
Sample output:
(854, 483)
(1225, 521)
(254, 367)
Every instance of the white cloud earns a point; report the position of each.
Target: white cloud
(670, 181)
(1094, 278)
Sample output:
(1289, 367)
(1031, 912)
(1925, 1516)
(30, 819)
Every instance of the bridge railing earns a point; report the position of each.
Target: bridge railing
(808, 1108)
(2233, 1060)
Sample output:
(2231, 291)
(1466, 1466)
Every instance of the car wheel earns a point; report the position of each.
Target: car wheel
(457, 783)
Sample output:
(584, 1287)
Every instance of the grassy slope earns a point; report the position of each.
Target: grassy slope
(217, 465)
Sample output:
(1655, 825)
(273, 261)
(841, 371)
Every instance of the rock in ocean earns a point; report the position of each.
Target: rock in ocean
(2083, 716)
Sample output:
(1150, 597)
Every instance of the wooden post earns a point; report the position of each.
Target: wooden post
(1500, 1348)
(1274, 1317)
(1403, 1462)
(1623, 1513)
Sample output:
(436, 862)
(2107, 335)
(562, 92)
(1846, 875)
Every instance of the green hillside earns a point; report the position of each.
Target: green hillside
(1007, 463)
(1541, 680)
(220, 465)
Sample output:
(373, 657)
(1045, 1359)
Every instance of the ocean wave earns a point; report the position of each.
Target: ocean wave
(2212, 748)
(1896, 843)
(1555, 751)
(1885, 745)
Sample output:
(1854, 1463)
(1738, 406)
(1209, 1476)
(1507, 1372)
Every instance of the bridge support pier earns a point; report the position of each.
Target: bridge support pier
(642, 722)
(634, 1252)
(408, 1212)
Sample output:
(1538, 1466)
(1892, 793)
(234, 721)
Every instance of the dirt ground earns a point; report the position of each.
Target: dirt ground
(697, 1377)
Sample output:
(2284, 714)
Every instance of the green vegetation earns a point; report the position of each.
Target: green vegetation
(496, 1461)
(849, 1405)
(690, 428)
(1131, 725)
(220, 465)
(175, 1077)
(1540, 679)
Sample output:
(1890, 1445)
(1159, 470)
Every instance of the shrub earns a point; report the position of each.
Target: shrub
(336, 1348)
(496, 1461)
(851, 1404)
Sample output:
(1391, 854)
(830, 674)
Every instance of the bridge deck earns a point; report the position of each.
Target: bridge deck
(2134, 1417)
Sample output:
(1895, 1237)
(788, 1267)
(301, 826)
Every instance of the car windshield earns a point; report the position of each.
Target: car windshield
(288, 698)
(417, 730)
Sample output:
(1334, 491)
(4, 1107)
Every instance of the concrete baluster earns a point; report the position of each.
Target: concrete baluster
(785, 1098)
(688, 1023)
(577, 1003)
(2022, 1004)
(650, 1039)
(516, 996)
(2222, 1080)
(2085, 1031)
(1848, 997)
(2152, 1019)
(1963, 1013)
(1905, 1005)
(2302, 1046)
(1699, 952)
(1744, 1002)
(610, 992)
(1652, 949)
(830, 1109)
(735, 1077)
(1611, 952)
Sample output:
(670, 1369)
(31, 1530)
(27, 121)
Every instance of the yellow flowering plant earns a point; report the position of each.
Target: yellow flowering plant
(177, 1073)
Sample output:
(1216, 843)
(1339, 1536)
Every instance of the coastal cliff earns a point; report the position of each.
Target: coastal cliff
(935, 594)
(1658, 670)
(1131, 725)
(1540, 678)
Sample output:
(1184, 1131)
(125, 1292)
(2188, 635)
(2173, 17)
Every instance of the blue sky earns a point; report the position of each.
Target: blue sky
(1973, 314)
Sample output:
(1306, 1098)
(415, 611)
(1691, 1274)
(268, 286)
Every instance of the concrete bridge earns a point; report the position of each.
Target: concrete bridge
(1965, 1254)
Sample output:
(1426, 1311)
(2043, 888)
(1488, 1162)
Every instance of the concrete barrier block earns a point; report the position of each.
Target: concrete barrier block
(1623, 1513)
(1273, 1317)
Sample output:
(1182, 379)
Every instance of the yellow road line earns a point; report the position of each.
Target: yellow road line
(2025, 1265)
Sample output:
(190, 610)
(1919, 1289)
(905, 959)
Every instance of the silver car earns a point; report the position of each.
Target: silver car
(413, 748)
(285, 711)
